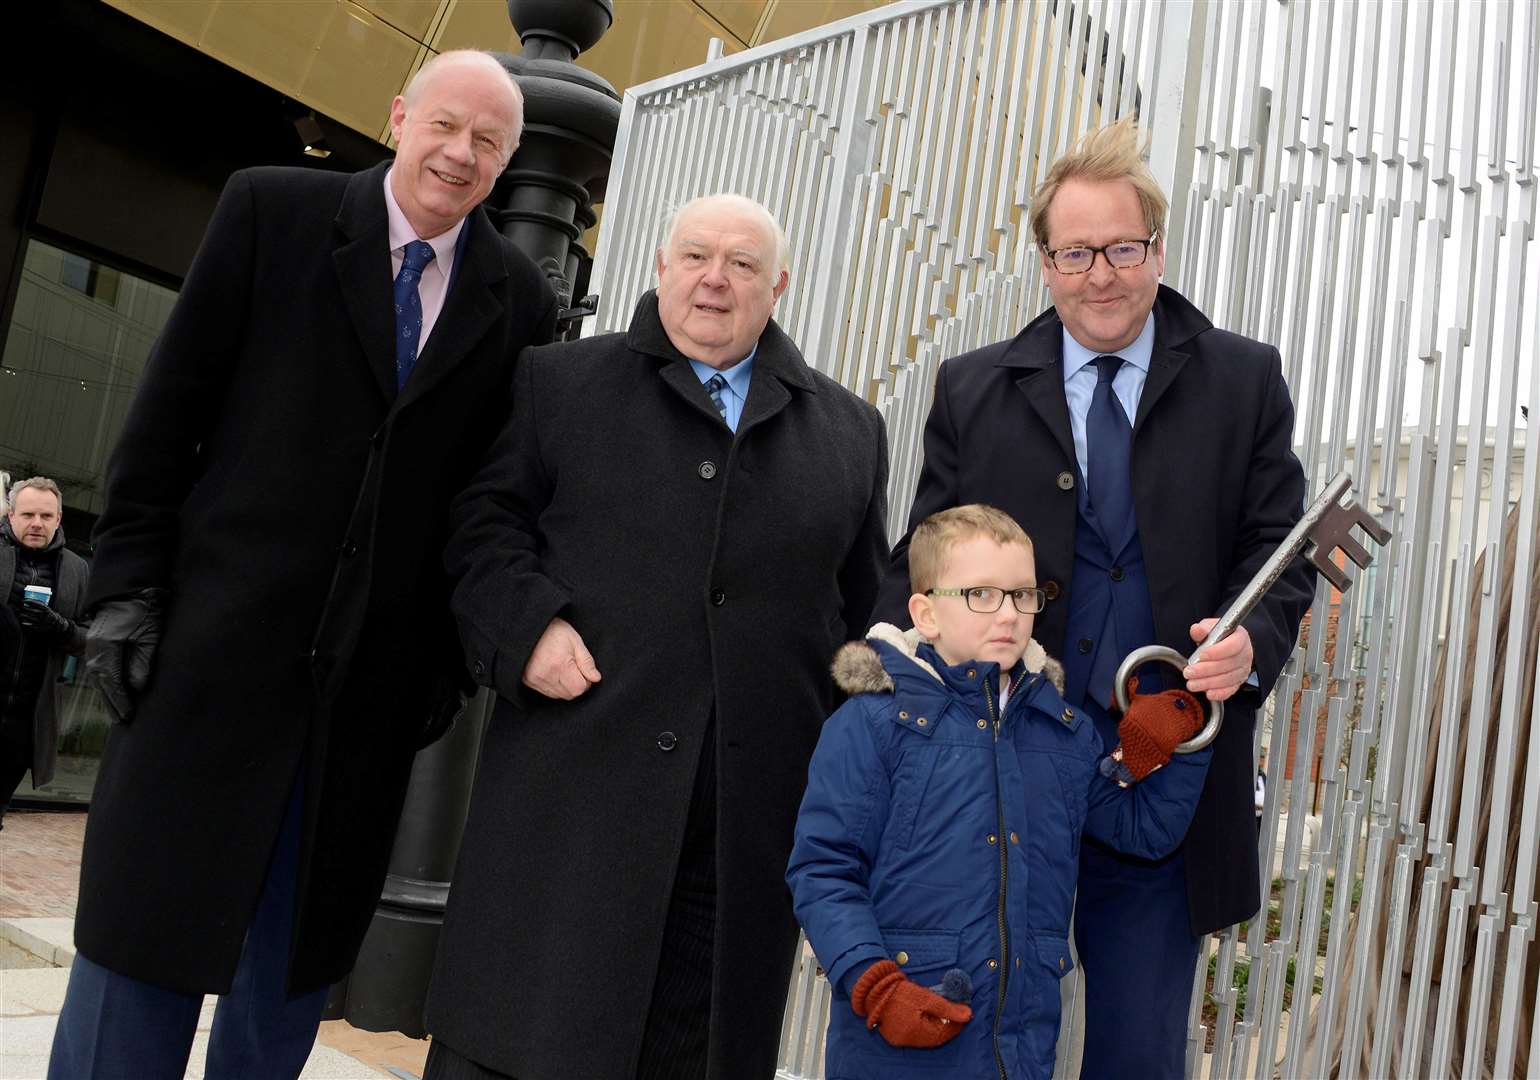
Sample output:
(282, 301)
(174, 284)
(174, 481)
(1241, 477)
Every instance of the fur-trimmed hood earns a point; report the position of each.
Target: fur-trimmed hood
(858, 668)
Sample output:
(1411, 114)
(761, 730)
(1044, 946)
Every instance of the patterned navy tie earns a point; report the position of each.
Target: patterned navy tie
(1108, 439)
(418, 254)
(714, 386)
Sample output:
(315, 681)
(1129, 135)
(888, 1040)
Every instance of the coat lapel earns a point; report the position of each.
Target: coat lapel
(777, 365)
(362, 262)
(1037, 352)
(470, 308)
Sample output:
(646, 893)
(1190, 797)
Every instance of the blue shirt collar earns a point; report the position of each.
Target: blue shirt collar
(1136, 352)
(737, 376)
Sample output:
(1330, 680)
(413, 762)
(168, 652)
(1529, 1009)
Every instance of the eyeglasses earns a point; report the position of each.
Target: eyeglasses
(1120, 255)
(987, 599)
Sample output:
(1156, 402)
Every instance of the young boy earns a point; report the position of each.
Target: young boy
(938, 841)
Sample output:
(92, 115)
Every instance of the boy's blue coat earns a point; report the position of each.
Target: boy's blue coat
(911, 800)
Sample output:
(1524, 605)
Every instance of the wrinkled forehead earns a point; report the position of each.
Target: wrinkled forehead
(715, 226)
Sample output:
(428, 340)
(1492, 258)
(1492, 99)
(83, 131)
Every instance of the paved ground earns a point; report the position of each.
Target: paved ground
(39, 874)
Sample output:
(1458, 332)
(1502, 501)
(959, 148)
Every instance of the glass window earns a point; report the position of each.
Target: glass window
(74, 352)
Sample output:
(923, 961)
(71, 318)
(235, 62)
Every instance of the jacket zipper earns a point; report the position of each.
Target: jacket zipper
(1005, 944)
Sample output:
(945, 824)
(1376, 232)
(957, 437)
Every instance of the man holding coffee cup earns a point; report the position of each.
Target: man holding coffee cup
(43, 587)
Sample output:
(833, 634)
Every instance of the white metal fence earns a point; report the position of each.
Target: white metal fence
(1353, 182)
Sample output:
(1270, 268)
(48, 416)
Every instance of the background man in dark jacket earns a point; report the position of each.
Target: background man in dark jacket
(1144, 532)
(36, 633)
(335, 367)
(676, 530)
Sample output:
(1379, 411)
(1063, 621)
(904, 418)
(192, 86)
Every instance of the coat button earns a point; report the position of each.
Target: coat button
(706, 469)
(479, 669)
(983, 723)
(903, 714)
(1117, 573)
(1015, 839)
(718, 597)
(667, 741)
(902, 958)
(993, 963)
(1066, 480)
(349, 548)
(922, 721)
(972, 674)
(1069, 714)
(1084, 645)
(1051, 589)
(991, 838)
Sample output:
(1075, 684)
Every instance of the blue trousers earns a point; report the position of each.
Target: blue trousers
(114, 1027)
(1138, 954)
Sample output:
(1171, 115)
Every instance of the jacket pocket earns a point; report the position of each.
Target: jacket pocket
(910, 781)
(922, 952)
(1053, 953)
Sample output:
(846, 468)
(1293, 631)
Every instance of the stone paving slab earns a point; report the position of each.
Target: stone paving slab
(51, 941)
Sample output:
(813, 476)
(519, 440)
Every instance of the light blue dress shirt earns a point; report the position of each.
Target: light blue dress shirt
(737, 377)
(1127, 384)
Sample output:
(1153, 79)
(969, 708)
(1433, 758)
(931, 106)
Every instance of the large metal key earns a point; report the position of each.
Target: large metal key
(1326, 526)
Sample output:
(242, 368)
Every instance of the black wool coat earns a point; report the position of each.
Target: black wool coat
(708, 574)
(294, 505)
(69, 599)
(1216, 489)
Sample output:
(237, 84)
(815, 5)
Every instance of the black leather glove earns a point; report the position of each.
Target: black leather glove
(43, 620)
(120, 647)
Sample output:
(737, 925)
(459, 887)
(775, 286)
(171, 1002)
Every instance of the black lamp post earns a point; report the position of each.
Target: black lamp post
(543, 202)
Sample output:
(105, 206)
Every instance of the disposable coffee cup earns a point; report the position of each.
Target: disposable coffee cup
(41, 593)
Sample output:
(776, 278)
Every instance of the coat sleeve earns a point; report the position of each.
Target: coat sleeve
(838, 828)
(935, 491)
(503, 599)
(157, 458)
(1148, 819)
(1272, 503)
(861, 574)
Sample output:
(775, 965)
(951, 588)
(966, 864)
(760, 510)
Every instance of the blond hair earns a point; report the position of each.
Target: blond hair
(936, 536)
(1108, 153)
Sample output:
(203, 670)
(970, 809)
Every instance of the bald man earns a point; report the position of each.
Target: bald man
(271, 627)
(670, 540)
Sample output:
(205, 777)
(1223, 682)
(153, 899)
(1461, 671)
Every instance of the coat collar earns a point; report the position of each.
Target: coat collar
(891, 658)
(1039, 348)
(362, 260)
(778, 367)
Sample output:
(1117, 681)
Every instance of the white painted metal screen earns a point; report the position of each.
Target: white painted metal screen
(1353, 182)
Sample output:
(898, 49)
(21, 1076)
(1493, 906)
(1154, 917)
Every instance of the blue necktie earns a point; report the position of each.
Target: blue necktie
(418, 254)
(1108, 439)
(714, 386)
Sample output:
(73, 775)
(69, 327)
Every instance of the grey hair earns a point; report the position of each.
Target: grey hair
(730, 201)
(469, 57)
(41, 483)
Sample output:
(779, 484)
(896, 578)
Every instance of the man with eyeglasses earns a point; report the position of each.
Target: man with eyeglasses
(1148, 455)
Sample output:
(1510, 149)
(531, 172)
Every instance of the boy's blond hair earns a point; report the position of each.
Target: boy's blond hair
(936, 536)
(1108, 153)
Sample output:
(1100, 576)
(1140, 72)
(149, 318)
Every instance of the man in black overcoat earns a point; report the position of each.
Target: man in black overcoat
(271, 612)
(675, 531)
(42, 600)
(1148, 455)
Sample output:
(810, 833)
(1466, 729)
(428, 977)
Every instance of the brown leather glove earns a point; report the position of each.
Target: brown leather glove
(904, 1012)
(1153, 725)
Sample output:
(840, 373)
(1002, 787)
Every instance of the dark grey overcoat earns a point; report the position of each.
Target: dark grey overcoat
(69, 599)
(294, 505)
(706, 573)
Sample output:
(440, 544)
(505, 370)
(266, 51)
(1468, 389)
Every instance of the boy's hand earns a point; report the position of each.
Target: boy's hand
(1152, 727)
(904, 1012)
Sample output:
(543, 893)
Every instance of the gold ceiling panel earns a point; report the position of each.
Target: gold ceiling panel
(183, 21)
(794, 16)
(275, 42)
(412, 17)
(652, 38)
(739, 17)
(361, 64)
(475, 24)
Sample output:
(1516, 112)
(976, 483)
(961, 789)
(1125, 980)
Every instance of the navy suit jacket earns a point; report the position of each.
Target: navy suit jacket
(1216, 489)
